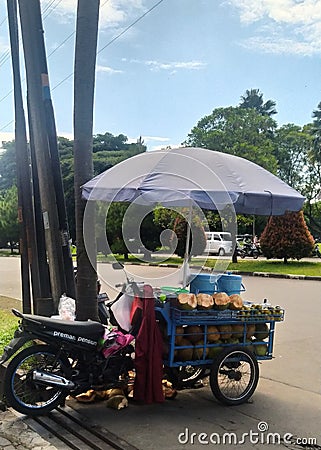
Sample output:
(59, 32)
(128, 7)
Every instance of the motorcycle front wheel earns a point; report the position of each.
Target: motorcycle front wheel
(26, 395)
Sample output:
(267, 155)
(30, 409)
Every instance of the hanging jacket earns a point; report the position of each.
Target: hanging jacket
(148, 355)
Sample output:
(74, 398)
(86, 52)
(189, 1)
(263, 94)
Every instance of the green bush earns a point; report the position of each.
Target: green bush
(8, 325)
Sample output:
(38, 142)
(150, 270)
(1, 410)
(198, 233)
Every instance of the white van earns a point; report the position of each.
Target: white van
(218, 242)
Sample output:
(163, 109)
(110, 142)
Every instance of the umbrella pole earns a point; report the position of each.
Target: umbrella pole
(188, 238)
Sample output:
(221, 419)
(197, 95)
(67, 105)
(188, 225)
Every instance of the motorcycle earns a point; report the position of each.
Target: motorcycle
(249, 249)
(53, 358)
(317, 249)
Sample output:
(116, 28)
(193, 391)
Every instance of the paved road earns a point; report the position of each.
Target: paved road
(288, 398)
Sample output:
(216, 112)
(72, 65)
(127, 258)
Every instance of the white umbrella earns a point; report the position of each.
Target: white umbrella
(195, 176)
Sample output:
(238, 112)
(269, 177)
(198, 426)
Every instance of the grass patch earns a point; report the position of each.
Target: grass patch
(8, 322)
(293, 267)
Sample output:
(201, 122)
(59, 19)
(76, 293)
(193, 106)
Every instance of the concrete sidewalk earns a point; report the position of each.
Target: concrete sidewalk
(16, 434)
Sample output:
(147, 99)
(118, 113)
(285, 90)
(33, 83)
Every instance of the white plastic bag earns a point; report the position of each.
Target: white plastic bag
(121, 310)
(67, 308)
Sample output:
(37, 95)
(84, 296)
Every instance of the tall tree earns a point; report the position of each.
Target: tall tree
(239, 131)
(292, 147)
(253, 98)
(84, 82)
(9, 227)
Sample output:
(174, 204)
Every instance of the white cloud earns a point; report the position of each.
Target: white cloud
(112, 13)
(281, 46)
(4, 45)
(171, 66)
(185, 65)
(283, 26)
(6, 137)
(155, 138)
(108, 70)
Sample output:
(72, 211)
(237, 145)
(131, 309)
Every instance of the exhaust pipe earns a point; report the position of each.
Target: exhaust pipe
(52, 380)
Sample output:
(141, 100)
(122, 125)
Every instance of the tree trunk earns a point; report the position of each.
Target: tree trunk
(84, 82)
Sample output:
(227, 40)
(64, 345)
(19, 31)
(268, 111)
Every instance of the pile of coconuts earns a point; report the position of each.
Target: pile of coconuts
(198, 340)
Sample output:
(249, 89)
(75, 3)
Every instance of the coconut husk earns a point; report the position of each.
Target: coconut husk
(262, 331)
(169, 392)
(185, 354)
(238, 331)
(179, 334)
(186, 301)
(117, 402)
(194, 333)
(204, 301)
(87, 397)
(225, 331)
(236, 302)
(213, 334)
(221, 300)
(250, 330)
(199, 351)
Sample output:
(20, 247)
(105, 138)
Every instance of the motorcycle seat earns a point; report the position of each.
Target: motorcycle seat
(83, 328)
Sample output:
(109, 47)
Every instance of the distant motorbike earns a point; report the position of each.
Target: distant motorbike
(249, 249)
(317, 250)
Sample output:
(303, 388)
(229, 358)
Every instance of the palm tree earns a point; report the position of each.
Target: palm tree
(253, 98)
(84, 83)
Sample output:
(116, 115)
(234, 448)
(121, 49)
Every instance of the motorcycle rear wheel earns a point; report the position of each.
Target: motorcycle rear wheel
(26, 395)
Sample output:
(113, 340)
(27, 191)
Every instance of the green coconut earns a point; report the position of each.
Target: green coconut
(260, 349)
(186, 301)
(236, 302)
(262, 331)
(204, 301)
(221, 301)
(214, 351)
(238, 331)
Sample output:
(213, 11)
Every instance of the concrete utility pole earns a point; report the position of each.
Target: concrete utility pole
(28, 240)
(84, 82)
(30, 34)
(67, 272)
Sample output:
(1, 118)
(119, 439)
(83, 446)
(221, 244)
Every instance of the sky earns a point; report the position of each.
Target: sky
(162, 65)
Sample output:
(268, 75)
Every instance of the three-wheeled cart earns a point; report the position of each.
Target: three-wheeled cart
(226, 345)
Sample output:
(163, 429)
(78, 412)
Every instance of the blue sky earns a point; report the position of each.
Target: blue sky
(179, 62)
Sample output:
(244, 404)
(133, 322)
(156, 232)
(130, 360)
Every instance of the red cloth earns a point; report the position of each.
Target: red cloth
(148, 355)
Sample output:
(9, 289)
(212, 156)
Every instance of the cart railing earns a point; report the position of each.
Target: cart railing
(233, 328)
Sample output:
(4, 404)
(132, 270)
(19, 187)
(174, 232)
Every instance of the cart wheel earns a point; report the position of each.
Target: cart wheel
(234, 375)
(185, 376)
